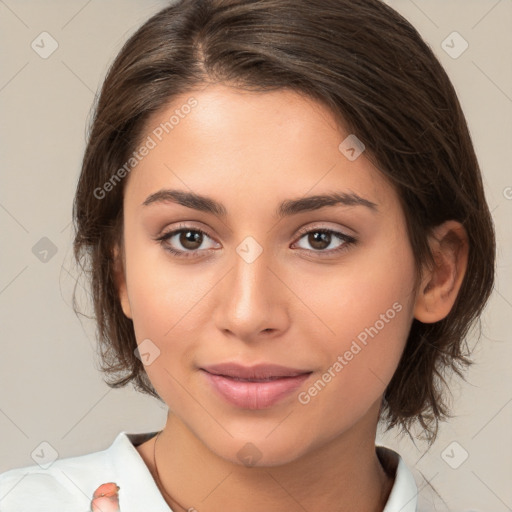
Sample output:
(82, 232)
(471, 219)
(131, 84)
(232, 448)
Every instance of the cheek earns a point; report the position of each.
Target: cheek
(371, 288)
(358, 366)
(163, 312)
(165, 308)
(160, 292)
(369, 314)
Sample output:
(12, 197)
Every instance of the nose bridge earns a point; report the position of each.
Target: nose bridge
(250, 280)
(251, 300)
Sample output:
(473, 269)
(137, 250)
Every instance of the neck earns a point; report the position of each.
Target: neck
(343, 474)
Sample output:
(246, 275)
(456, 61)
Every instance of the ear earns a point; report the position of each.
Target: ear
(440, 286)
(120, 280)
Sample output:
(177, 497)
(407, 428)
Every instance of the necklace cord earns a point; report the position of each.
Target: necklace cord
(158, 476)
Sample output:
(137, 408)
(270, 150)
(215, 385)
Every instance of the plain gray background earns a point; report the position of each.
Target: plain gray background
(50, 387)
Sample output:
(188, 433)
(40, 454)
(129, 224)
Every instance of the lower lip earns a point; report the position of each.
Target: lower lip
(254, 395)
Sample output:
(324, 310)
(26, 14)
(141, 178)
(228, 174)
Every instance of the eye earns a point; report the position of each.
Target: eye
(321, 239)
(188, 240)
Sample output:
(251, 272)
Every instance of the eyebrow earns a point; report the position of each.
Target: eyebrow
(287, 208)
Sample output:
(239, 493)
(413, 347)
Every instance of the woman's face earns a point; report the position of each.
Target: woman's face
(320, 287)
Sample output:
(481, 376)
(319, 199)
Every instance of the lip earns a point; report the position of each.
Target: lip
(254, 387)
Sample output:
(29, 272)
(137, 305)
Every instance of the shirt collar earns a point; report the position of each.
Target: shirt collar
(404, 493)
(135, 475)
(140, 490)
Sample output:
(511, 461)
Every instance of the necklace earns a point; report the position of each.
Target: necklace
(158, 476)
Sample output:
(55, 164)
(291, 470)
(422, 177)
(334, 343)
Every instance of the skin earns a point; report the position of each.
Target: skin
(106, 498)
(291, 306)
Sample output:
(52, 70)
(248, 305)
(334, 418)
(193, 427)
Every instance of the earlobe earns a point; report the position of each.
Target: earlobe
(120, 281)
(440, 286)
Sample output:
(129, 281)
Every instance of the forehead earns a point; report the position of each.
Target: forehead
(225, 141)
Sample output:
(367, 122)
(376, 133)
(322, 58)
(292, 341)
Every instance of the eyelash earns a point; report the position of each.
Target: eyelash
(349, 240)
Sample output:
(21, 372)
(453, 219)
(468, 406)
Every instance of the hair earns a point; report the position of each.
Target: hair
(350, 56)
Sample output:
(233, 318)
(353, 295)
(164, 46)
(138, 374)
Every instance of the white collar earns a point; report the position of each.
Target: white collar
(404, 493)
(131, 474)
(71, 481)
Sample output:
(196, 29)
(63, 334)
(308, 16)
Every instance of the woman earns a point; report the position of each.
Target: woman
(283, 220)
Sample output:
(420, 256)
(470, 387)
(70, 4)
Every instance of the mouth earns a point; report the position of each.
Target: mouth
(254, 387)
(266, 379)
(257, 373)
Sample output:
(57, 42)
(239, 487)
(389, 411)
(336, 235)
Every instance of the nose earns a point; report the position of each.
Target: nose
(253, 299)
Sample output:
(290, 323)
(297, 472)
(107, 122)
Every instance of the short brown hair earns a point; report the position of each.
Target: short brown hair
(375, 73)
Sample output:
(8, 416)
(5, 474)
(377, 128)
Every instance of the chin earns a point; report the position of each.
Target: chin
(259, 451)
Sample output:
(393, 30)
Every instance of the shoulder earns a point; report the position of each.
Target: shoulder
(31, 488)
(66, 484)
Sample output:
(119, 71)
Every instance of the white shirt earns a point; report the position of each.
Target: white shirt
(68, 484)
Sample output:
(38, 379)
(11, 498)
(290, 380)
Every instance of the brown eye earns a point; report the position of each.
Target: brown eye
(319, 241)
(190, 240)
(185, 241)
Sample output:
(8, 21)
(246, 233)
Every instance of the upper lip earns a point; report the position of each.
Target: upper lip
(258, 371)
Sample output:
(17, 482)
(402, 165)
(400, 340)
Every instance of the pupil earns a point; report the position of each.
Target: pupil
(191, 239)
(320, 240)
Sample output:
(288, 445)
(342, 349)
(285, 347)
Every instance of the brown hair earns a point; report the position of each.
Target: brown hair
(372, 69)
